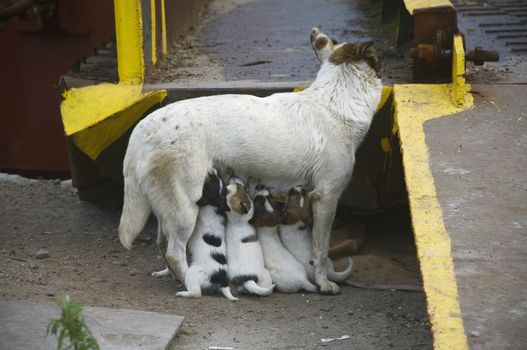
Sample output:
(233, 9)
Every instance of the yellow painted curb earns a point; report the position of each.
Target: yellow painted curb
(415, 104)
(97, 115)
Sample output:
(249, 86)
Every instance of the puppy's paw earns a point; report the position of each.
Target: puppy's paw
(162, 273)
(329, 288)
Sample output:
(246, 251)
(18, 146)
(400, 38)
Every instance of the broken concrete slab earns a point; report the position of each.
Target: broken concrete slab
(23, 325)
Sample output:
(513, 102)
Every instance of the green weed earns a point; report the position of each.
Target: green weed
(70, 329)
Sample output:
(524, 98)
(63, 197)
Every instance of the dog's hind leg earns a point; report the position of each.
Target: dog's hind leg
(323, 215)
(162, 246)
(179, 229)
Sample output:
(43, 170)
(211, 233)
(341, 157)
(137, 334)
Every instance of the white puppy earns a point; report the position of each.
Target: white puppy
(246, 262)
(287, 273)
(308, 138)
(295, 232)
(208, 267)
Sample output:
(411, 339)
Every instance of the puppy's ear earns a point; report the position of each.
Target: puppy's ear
(222, 205)
(245, 210)
(201, 202)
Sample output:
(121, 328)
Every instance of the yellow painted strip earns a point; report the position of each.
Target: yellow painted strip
(415, 104)
(129, 35)
(458, 71)
(411, 5)
(164, 47)
(153, 30)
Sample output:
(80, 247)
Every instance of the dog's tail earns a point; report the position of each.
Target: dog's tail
(226, 291)
(342, 275)
(136, 211)
(254, 288)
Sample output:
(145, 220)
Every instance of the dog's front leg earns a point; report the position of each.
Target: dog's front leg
(323, 214)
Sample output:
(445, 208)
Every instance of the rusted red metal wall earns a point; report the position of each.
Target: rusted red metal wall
(34, 54)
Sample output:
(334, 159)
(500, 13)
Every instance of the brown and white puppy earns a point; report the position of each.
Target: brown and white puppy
(286, 272)
(296, 234)
(246, 263)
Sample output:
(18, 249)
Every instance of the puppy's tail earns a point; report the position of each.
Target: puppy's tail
(342, 275)
(309, 287)
(254, 288)
(226, 291)
(136, 211)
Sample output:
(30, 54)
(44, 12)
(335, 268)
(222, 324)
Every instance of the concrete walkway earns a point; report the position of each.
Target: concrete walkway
(478, 160)
(23, 325)
(268, 42)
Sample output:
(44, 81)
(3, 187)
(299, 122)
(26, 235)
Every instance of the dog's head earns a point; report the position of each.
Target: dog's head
(238, 202)
(328, 50)
(298, 207)
(213, 191)
(267, 212)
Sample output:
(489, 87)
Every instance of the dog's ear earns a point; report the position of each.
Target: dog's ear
(370, 55)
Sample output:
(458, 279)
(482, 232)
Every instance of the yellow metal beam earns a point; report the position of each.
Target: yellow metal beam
(153, 29)
(164, 46)
(96, 116)
(458, 71)
(129, 36)
(411, 5)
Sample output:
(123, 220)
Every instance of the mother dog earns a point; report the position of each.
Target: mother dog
(307, 138)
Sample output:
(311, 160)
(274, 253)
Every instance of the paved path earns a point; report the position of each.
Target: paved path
(478, 160)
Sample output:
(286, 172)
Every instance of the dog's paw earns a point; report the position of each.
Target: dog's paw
(162, 273)
(329, 288)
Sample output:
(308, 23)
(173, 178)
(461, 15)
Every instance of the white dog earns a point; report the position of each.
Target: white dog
(307, 138)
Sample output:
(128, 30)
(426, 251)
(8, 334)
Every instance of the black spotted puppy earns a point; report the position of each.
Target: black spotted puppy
(208, 266)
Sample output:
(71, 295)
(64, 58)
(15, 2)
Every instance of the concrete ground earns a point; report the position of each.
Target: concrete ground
(478, 160)
(268, 41)
(87, 263)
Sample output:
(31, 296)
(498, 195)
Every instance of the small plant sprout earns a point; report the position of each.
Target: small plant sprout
(70, 329)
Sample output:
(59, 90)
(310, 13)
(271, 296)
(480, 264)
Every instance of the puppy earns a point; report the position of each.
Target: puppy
(286, 272)
(295, 232)
(246, 263)
(208, 267)
(307, 138)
